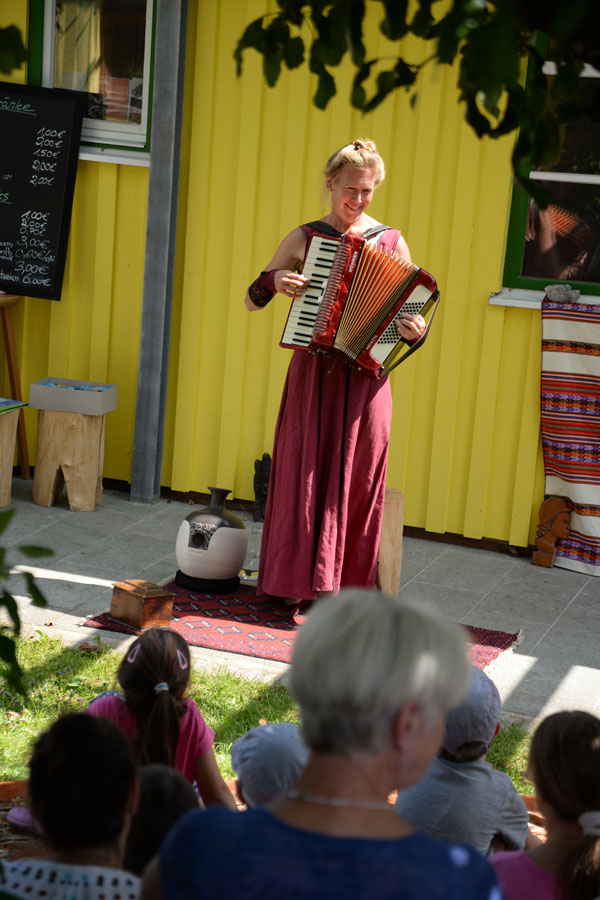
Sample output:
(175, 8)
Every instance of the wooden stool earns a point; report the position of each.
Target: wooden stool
(70, 451)
(8, 433)
(389, 564)
(6, 301)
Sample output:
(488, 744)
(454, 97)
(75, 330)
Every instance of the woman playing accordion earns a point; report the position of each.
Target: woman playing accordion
(327, 483)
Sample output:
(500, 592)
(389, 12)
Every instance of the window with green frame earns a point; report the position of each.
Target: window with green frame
(103, 48)
(561, 243)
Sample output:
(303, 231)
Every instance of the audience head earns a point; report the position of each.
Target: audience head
(564, 764)
(154, 675)
(360, 657)
(165, 796)
(81, 779)
(267, 760)
(471, 726)
(360, 154)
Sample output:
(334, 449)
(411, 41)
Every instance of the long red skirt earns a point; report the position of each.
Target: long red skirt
(327, 483)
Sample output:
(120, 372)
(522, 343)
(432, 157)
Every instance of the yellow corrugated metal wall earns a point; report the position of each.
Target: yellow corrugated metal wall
(465, 433)
(93, 332)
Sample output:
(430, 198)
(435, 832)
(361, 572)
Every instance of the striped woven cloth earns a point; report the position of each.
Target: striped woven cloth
(570, 414)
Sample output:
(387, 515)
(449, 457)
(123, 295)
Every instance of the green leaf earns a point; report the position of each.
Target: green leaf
(12, 673)
(293, 53)
(422, 20)
(325, 90)
(10, 603)
(34, 552)
(385, 83)
(476, 120)
(292, 10)
(356, 14)
(393, 25)
(253, 36)
(332, 35)
(404, 75)
(12, 50)
(358, 97)
(271, 68)
(447, 38)
(5, 517)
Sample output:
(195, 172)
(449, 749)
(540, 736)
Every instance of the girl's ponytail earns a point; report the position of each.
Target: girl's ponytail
(154, 675)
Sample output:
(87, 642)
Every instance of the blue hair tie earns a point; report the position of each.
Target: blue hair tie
(161, 686)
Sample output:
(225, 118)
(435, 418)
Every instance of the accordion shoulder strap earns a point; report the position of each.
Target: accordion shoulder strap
(389, 236)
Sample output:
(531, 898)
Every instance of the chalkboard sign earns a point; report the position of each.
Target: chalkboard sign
(40, 129)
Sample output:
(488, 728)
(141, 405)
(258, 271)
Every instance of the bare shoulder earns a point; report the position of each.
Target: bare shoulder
(295, 242)
(290, 252)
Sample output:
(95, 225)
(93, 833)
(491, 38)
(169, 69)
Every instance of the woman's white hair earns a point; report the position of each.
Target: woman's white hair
(361, 656)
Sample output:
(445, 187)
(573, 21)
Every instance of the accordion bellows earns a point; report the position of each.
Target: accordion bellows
(357, 293)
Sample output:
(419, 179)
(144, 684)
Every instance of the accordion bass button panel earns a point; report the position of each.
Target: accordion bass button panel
(421, 298)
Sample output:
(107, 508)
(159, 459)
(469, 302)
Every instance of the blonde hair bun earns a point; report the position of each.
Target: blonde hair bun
(360, 154)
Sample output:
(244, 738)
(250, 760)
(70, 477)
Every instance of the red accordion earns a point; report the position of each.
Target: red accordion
(357, 293)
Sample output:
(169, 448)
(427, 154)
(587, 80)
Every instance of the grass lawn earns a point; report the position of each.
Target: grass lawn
(64, 679)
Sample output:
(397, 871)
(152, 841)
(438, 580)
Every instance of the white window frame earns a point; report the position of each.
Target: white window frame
(98, 131)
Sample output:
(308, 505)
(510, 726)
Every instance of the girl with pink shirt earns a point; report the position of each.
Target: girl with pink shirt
(564, 765)
(161, 724)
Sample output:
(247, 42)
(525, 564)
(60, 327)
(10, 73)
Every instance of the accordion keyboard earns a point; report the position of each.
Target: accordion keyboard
(303, 312)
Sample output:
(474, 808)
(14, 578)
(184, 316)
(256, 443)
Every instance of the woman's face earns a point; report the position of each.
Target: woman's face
(351, 193)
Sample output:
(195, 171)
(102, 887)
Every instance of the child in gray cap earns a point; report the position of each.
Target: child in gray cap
(462, 798)
(267, 760)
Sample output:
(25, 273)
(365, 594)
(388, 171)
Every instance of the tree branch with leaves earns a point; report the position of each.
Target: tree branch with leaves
(490, 40)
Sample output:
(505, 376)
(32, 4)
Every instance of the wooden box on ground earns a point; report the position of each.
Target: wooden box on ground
(141, 604)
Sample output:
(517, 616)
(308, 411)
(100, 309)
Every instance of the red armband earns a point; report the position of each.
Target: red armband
(263, 290)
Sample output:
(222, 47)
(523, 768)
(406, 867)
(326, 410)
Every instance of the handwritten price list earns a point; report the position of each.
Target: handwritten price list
(41, 130)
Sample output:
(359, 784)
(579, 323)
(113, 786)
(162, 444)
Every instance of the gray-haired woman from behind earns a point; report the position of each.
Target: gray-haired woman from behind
(373, 677)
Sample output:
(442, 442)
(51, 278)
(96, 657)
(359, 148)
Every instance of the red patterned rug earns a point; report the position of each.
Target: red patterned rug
(241, 622)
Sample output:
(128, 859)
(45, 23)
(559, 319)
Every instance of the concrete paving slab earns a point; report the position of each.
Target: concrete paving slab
(464, 567)
(453, 603)
(544, 602)
(556, 665)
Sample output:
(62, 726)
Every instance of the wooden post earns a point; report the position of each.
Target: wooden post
(6, 301)
(8, 432)
(389, 566)
(70, 451)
